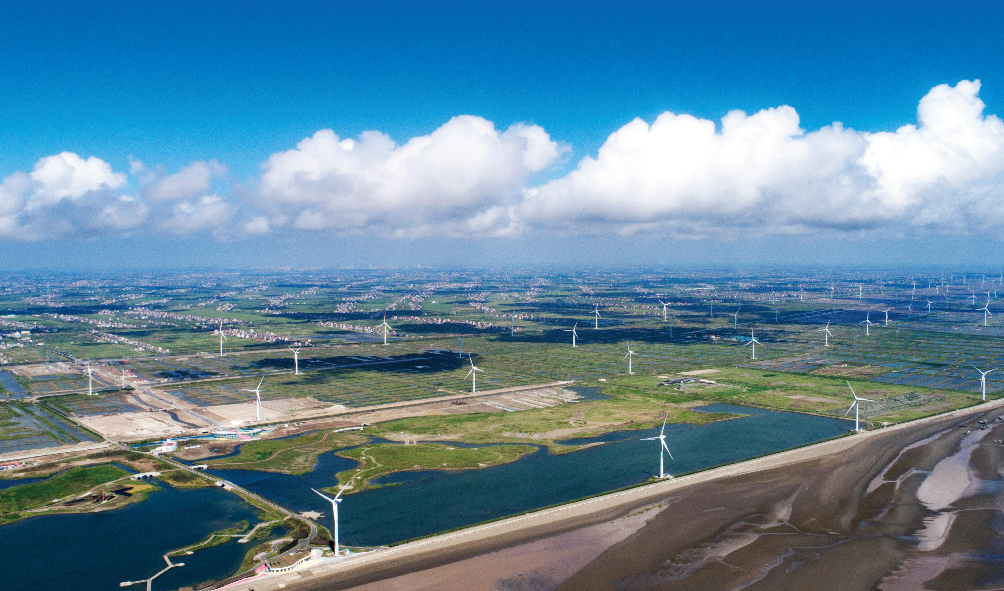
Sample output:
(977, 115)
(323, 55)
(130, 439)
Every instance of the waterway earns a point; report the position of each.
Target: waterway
(421, 503)
(97, 551)
(13, 387)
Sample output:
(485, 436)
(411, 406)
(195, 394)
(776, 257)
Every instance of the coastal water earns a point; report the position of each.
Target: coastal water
(97, 551)
(426, 502)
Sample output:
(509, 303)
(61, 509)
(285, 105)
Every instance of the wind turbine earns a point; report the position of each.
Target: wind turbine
(460, 352)
(257, 394)
(574, 334)
(664, 304)
(860, 292)
(928, 306)
(90, 380)
(334, 510)
(826, 334)
(983, 380)
(662, 447)
(735, 319)
(597, 313)
(473, 375)
(630, 354)
(753, 342)
(386, 327)
(887, 316)
(868, 323)
(986, 312)
(222, 337)
(296, 359)
(856, 405)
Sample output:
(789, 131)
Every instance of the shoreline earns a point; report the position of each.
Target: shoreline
(438, 549)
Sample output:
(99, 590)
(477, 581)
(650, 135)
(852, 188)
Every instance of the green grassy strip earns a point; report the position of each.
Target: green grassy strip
(73, 482)
(382, 459)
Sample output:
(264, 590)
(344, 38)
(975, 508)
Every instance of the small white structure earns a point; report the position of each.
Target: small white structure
(167, 447)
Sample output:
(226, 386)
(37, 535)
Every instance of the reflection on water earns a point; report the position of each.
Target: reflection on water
(432, 501)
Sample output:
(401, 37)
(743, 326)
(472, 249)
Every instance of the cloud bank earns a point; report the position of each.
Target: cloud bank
(764, 173)
(678, 176)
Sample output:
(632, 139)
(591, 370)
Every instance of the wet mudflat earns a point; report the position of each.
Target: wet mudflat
(917, 510)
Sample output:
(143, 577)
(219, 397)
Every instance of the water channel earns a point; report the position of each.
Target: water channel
(97, 551)
(426, 502)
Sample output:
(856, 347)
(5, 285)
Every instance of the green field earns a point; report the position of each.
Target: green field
(381, 459)
(294, 455)
(71, 483)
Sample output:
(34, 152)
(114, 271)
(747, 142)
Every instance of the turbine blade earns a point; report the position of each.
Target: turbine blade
(851, 407)
(341, 490)
(666, 447)
(322, 494)
(664, 425)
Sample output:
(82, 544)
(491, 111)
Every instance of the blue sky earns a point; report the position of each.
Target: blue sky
(213, 91)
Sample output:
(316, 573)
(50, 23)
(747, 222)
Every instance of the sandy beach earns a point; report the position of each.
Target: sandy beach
(883, 509)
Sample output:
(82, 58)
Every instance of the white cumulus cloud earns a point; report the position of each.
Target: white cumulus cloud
(189, 182)
(445, 181)
(683, 175)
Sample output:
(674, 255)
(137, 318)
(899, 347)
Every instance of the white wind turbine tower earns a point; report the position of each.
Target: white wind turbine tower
(296, 359)
(460, 350)
(386, 327)
(334, 511)
(868, 323)
(983, 380)
(753, 342)
(574, 334)
(596, 324)
(664, 304)
(90, 380)
(257, 394)
(223, 337)
(856, 405)
(826, 334)
(662, 447)
(473, 374)
(735, 319)
(887, 316)
(629, 355)
(928, 305)
(986, 312)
